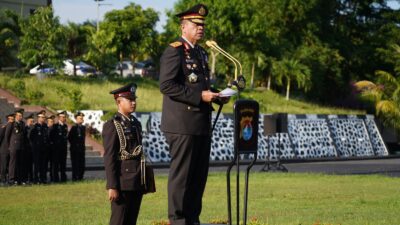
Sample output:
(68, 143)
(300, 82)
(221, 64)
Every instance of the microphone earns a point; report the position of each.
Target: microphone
(212, 44)
(222, 50)
(241, 82)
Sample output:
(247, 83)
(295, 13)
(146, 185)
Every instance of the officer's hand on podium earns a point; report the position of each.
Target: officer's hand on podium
(208, 96)
(113, 194)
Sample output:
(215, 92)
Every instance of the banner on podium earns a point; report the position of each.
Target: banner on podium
(246, 114)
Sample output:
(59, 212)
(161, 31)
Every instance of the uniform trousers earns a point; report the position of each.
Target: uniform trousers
(4, 158)
(28, 165)
(59, 161)
(187, 176)
(40, 165)
(78, 163)
(125, 210)
(16, 166)
(49, 161)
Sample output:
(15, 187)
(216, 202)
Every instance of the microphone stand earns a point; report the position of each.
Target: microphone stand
(239, 83)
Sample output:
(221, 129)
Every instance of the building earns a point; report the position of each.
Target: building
(23, 7)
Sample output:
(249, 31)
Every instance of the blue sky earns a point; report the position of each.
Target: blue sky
(79, 11)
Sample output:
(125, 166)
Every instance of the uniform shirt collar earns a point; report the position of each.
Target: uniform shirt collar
(190, 43)
(124, 117)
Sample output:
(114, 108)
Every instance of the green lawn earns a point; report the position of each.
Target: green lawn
(95, 95)
(274, 198)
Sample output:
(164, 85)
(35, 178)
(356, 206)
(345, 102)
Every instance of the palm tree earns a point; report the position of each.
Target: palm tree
(385, 94)
(291, 70)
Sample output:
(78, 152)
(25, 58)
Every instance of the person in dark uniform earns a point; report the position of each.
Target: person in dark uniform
(40, 140)
(50, 147)
(15, 136)
(186, 117)
(2, 131)
(76, 138)
(122, 155)
(4, 150)
(59, 135)
(28, 154)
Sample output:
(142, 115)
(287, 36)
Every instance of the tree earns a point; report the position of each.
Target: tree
(134, 30)
(291, 70)
(77, 41)
(9, 34)
(101, 51)
(384, 93)
(43, 39)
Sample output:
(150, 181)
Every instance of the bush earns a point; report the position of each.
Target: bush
(74, 97)
(35, 96)
(19, 88)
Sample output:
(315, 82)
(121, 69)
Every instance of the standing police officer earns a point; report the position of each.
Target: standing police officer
(59, 135)
(186, 117)
(50, 147)
(4, 151)
(28, 154)
(15, 136)
(122, 155)
(2, 131)
(40, 140)
(76, 138)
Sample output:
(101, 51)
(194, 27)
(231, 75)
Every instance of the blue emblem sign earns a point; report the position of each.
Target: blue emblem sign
(247, 132)
(246, 126)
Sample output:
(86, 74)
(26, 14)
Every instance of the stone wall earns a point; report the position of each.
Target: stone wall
(307, 137)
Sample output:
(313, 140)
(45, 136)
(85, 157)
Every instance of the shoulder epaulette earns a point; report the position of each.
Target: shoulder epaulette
(176, 44)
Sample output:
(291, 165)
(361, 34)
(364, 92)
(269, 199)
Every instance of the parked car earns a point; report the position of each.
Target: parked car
(82, 69)
(43, 68)
(127, 69)
(146, 69)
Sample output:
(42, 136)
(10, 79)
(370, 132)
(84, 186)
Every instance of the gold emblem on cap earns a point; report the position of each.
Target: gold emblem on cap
(202, 11)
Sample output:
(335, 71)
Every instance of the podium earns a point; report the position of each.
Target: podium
(246, 116)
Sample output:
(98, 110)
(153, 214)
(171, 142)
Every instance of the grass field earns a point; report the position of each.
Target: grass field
(289, 198)
(95, 95)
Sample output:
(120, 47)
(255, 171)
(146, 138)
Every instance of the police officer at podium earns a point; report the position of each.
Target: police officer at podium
(76, 138)
(122, 155)
(186, 117)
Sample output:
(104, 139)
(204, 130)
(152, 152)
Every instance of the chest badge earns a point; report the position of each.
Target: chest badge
(193, 78)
